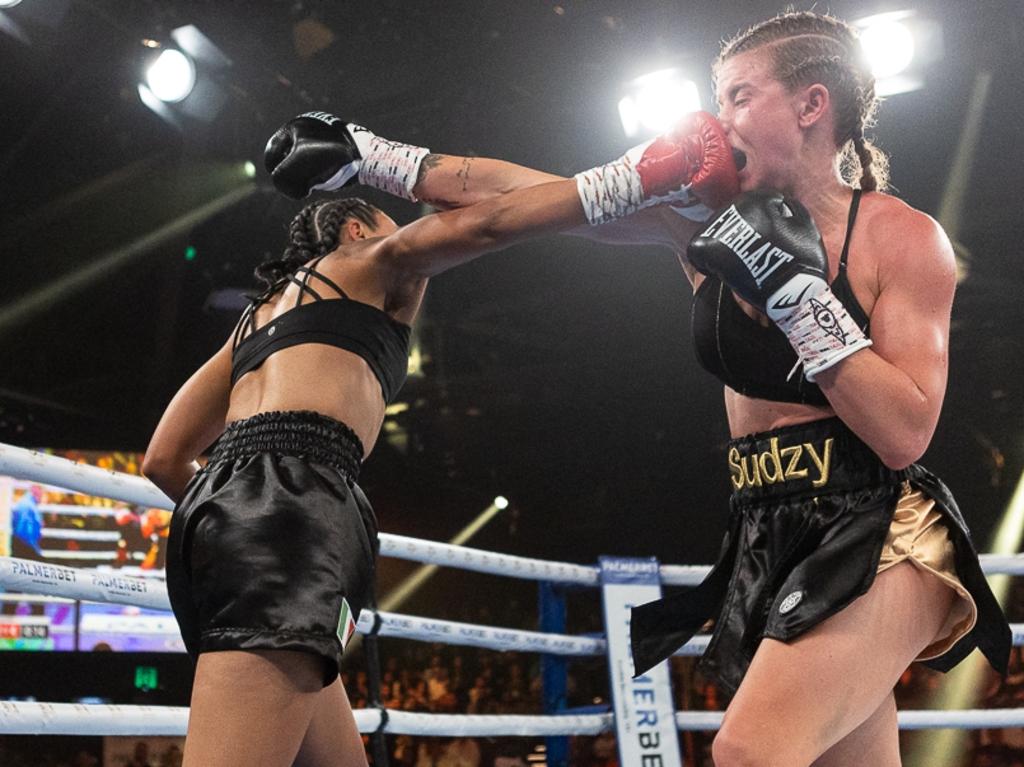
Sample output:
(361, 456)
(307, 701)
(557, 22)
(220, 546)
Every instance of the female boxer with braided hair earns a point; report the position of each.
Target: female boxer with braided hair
(315, 232)
(272, 544)
(823, 305)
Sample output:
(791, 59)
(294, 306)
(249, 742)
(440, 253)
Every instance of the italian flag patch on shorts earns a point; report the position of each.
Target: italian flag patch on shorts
(346, 624)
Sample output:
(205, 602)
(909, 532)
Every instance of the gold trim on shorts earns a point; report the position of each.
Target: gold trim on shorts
(919, 534)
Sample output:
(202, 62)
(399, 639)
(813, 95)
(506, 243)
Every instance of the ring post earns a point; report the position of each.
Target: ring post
(554, 669)
(645, 726)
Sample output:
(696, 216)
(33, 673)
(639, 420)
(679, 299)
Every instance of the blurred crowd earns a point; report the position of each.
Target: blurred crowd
(438, 679)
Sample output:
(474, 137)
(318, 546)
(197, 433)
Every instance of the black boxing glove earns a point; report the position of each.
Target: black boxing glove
(314, 151)
(767, 248)
(318, 151)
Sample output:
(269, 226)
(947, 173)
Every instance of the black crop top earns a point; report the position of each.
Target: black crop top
(751, 358)
(342, 322)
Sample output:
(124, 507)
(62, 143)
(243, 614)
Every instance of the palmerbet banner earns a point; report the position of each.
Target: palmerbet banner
(644, 713)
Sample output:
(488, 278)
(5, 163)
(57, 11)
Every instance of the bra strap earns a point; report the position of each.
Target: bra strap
(854, 204)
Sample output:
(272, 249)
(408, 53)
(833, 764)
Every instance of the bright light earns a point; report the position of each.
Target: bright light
(8, 3)
(889, 46)
(396, 407)
(172, 76)
(410, 585)
(150, 100)
(501, 502)
(897, 46)
(657, 101)
(250, 169)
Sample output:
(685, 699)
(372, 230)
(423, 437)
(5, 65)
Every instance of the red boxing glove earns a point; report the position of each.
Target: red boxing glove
(666, 164)
(692, 169)
(714, 180)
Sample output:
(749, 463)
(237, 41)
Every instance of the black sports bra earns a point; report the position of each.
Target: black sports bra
(342, 322)
(751, 358)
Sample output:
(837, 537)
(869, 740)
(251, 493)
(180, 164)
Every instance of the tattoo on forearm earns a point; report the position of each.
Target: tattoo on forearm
(464, 172)
(428, 163)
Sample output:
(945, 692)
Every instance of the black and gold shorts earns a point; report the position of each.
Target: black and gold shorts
(273, 545)
(920, 535)
(815, 515)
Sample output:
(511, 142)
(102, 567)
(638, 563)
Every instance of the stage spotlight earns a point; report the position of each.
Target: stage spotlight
(249, 168)
(172, 76)
(898, 46)
(654, 102)
(500, 502)
(410, 585)
(157, 106)
(187, 79)
(888, 44)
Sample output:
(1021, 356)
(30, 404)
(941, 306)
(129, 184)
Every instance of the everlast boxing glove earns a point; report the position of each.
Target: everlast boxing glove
(317, 151)
(691, 168)
(767, 248)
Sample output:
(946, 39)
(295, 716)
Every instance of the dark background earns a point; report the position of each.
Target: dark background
(560, 373)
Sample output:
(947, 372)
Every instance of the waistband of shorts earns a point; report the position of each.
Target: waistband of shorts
(300, 433)
(815, 458)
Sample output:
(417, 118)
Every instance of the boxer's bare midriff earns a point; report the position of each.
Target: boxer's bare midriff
(749, 415)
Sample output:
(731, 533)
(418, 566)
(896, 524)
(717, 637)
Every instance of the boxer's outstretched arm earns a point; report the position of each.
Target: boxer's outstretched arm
(447, 182)
(657, 172)
(320, 152)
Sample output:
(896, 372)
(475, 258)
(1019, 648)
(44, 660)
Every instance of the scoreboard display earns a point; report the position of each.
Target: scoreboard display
(127, 629)
(28, 624)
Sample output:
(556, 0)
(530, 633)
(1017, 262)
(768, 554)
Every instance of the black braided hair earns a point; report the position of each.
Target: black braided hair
(314, 232)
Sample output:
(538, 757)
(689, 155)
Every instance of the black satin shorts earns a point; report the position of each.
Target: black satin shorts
(273, 545)
(810, 511)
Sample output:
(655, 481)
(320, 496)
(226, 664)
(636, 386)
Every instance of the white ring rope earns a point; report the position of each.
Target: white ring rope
(967, 719)
(472, 635)
(80, 510)
(92, 556)
(89, 585)
(683, 575)
(478, 560)
(691, 575)
(457, 725)
(80, 478)
(74, 534)
(20, 718)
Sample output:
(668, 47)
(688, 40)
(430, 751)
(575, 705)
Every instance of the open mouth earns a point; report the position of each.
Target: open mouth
(740, 158)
